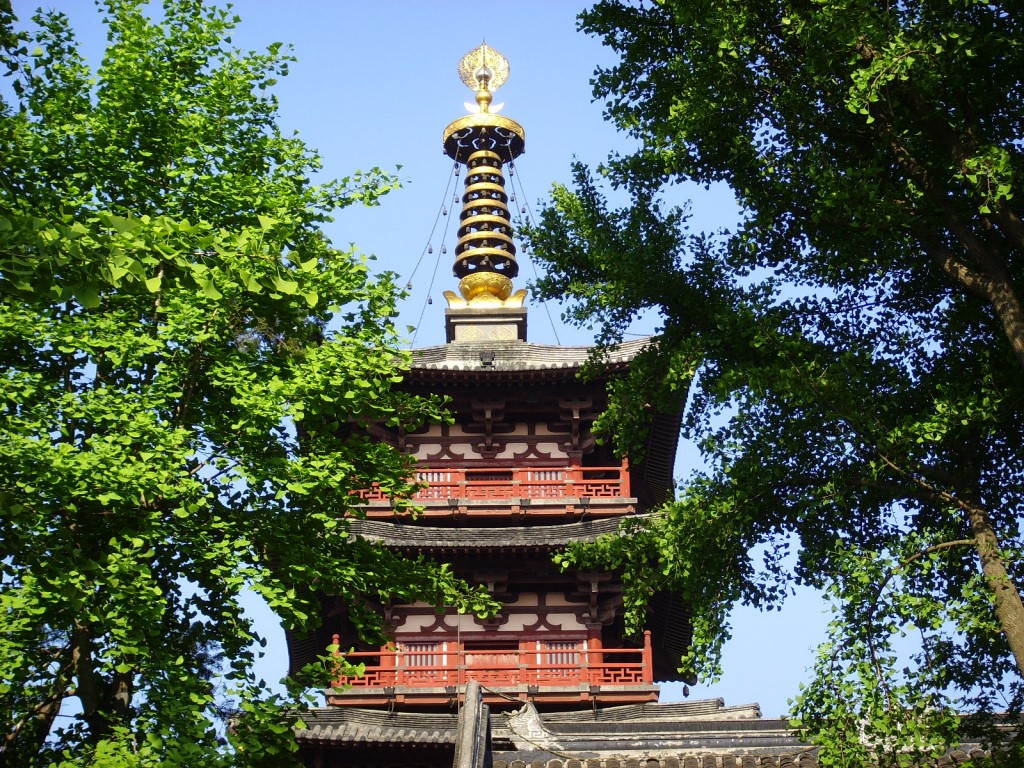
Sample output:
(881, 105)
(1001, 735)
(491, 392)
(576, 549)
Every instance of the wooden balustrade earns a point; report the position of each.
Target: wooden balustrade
(516, 482)
(424, 665)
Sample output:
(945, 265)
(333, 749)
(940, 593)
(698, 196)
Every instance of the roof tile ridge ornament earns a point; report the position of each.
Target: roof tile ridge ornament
(483, 141)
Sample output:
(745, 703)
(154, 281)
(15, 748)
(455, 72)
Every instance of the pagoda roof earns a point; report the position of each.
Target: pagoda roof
(413, 536)
(667, 609)
(339, 725)
(705, 733)
(515, 357)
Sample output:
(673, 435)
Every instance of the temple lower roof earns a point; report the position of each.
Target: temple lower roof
(698, 734)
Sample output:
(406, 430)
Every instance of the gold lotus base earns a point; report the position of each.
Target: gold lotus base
(480, 284)
(485, 289)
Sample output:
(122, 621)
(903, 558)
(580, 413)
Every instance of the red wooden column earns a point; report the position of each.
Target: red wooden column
(648, 658)
(336, 641)
(592, 669)
(388, 663)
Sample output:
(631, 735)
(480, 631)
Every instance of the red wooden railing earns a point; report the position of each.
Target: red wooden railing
(517, 482)
(425, 665)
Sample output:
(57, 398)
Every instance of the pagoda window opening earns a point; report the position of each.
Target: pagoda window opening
(560, 652)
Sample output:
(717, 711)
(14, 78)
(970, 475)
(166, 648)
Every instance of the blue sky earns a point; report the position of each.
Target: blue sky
(375, 84)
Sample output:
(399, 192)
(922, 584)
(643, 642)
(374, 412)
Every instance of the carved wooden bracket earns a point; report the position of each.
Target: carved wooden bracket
(495, 581)
(602, 594)
(487, 417)
(576, 414)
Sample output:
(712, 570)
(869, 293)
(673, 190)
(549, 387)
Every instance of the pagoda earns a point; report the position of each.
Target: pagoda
(515, 478)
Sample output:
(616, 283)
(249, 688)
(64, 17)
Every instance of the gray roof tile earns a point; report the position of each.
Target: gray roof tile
(515, 355)
(411, 535)
(698, 734)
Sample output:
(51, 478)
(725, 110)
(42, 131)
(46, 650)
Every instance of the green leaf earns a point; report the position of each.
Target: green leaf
(88, 295)
(208, 289)
(285, 286)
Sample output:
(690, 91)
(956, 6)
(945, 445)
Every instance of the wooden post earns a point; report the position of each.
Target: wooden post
(336, 641)
(648, 658)
(593, 656)
(388, 662)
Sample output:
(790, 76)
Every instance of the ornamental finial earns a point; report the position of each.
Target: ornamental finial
(485, 256)
(483, 70)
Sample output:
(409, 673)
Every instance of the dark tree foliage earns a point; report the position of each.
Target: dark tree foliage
(853, 353)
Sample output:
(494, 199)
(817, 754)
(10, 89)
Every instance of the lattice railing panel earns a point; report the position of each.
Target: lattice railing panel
(555, 663)
(490, 484)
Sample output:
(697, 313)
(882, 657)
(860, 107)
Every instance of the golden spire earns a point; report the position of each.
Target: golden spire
(485, 256)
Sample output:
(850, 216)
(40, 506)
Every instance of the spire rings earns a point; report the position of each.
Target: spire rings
(494, 133)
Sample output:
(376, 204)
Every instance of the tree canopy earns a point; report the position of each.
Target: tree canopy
(852, 353)
(183, 351)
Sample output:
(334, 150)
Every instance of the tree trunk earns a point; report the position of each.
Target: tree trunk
(989, 274)
(88, 688)
(994, 286)
(1008, 605)
(1010, 313)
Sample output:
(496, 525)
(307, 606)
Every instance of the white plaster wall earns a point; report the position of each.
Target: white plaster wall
(428, 443)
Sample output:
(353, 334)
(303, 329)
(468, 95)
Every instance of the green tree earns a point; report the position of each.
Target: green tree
(171, 310)
(852, 353)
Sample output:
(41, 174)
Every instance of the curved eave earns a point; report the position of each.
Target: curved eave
(512, 360)
(657, 485)
(608, 737)
(542, 538)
